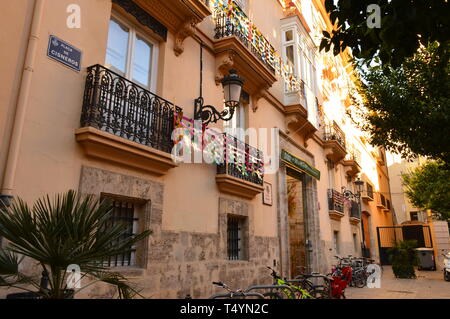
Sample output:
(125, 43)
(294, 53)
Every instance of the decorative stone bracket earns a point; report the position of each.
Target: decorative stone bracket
(187, 30)
(351, 167)
(297, 121)
(334, 151)
(179, 16)
(231, 53)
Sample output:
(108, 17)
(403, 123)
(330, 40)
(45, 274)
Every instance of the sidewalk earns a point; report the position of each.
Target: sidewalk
(427, 285)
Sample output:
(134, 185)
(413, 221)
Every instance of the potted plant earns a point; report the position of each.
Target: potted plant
(69, 230)
(404, 257)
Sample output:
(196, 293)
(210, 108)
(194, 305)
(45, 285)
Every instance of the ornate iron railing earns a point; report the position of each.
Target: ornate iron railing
(334, 133)
(369, 190)
(353, 154)
(381, 200)
(242, 161)
(354, 210)
(230, 24)
(118, 106)
(335, 200)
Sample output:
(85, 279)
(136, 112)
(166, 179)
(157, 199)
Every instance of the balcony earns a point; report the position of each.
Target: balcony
(297, 116)
(334, 142)
(124, 123)
(378, 154)
(388, 206)
(352, 161)
(355, 215)
(368, 194)
(245, 49)
(179, 16)
(381, 201)
(241, 172)
(335, 204)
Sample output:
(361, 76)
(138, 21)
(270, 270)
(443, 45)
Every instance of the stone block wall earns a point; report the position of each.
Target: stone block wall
(182, 263)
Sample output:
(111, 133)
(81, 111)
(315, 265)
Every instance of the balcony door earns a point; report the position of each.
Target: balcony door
(131, 53)
(237, 125)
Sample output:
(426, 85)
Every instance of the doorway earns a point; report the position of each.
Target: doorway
(297, 222)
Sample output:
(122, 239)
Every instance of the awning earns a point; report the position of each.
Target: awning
(299, 165)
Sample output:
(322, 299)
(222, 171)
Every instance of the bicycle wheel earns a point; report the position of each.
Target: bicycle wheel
(273, 295)
(320, 293)
(361, 281)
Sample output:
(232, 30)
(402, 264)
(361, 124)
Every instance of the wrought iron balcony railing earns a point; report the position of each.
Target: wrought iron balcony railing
(354, 210)
(369, 190)
(334, 133)
(118, 106)
(381, 200)
(242, 161)
(353, 154)
(335, 201)
(236, 23)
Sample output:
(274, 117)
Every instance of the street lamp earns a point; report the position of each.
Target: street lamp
(359, 186)
(232, 88)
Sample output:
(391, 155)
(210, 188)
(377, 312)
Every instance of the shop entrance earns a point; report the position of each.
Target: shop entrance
(297, 222)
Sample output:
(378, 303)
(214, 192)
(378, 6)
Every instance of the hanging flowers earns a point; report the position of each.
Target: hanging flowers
(247, 29)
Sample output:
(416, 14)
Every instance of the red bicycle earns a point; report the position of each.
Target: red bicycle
(342, 276)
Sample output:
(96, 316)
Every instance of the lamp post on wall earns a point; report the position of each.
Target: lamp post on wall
(349, 194)
(232, 88)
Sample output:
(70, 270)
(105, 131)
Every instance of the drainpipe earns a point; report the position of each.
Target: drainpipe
(22, 104)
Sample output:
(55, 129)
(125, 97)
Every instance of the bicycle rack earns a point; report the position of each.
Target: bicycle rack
(237, 294)
(277, 287)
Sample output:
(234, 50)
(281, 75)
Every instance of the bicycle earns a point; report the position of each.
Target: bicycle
(295, 291)
(234, 294)
(310, 283)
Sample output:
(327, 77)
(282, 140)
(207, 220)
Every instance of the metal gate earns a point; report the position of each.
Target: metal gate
(388, 236)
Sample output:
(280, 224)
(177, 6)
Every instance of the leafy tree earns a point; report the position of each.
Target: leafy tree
(407, 109)
(405, 24)
(428, 187)
(55, 234)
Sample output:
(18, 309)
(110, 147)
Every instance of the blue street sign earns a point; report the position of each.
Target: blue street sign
(65, 53)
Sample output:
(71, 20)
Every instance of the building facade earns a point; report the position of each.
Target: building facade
(93, 90)
(409, 216)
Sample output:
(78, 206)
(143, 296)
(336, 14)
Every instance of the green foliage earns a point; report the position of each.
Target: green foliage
(404, 257)
(71, 229)
(407, 109)
(404, 24)
(428, 187)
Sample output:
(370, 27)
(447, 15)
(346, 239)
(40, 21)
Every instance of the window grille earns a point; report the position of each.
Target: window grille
(123, 212)
(234, 240)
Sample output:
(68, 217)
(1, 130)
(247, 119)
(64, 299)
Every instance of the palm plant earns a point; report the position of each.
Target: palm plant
(70, 229)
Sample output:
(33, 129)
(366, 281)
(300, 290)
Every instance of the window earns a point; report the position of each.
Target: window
(131, 54)
(330, 167)
(237, 125)
(369, 190)
(126, 211)
(236, 237)
(298, 51)
(336, 242)
(414, 216)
